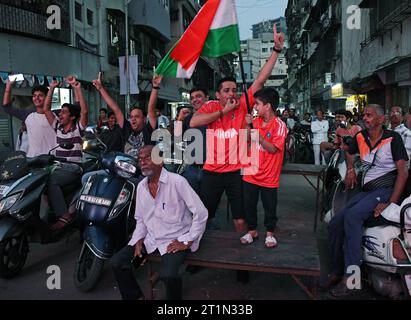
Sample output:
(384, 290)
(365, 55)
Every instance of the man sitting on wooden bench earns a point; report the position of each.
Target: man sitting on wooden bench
(170, 218)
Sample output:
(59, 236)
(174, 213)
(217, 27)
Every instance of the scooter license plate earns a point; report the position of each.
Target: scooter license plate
(3, 190)
(95, 200)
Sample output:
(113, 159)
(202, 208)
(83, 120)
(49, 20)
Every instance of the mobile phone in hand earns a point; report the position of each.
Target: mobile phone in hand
(137, 261)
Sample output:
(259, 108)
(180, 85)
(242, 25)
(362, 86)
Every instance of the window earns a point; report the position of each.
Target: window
(186, 18)
(89, 17)
(78, 11)
(245, 51)
(280, 61)
(265, 49)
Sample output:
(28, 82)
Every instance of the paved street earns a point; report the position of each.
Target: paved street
(296, 209)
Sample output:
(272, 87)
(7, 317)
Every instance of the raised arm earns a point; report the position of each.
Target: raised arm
(268, 67)
(110, 102)
(83, 104)
(151, 112)
(7, 93)
(47, 102)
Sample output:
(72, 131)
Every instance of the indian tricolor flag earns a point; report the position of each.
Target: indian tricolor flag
(212, 33)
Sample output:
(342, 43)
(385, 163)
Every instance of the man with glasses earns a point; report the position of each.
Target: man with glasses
(170, 218)
(396, 124)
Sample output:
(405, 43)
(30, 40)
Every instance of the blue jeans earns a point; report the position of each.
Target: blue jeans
(346, 228)
(194, 175)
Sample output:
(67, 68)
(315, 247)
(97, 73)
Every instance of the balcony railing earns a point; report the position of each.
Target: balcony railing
(33, 24)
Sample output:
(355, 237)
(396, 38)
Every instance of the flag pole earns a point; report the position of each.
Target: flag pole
(247, 100)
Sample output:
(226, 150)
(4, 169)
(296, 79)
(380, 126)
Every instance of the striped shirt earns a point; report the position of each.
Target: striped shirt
(74, 136)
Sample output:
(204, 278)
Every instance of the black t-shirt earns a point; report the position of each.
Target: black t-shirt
(135, 140)
(113, 139)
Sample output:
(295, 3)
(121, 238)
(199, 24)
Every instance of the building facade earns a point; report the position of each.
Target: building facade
(344, 54)
(91, 39)
(256, 51)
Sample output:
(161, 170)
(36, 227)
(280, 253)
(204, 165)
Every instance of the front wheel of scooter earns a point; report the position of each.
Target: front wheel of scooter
(88, 270)
(13, 255)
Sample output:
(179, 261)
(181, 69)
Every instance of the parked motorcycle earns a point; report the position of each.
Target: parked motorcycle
(303, 146)
(386, 240)
(106, 214)
(24, 209)
(386, 247)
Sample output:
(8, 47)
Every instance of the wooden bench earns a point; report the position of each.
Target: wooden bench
(306, 170)
(296, 255)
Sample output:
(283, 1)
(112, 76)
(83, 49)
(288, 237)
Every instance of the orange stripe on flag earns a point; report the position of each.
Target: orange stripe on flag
(190, 45)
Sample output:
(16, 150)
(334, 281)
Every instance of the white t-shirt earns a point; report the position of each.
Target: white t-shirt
(23, 143)
(41, 136)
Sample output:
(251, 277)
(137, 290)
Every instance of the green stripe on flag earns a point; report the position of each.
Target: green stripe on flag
(167, 66)
(222, 41)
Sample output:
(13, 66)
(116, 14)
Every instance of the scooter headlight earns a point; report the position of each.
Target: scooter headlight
(125, 168)
(121, 200)
(8, 202)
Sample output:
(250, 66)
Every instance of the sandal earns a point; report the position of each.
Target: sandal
(270, 242)
(248, 238)
(62, 222)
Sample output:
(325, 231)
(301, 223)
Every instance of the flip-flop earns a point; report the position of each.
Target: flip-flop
(270, 242)
(248, 238)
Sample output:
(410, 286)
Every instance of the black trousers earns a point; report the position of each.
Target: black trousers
(269, 199)
(129, 288)
(214, 184)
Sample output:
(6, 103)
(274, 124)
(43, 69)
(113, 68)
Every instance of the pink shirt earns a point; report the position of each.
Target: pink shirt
(176, 213)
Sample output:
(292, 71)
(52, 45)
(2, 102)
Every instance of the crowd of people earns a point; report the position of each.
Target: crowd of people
(173, 211)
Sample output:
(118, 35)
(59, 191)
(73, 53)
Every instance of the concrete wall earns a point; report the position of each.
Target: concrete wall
(47, 58)
(383, 49)
(351, 40)
(151, 13)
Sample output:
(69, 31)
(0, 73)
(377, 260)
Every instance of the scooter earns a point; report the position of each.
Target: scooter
(24, 209)
(106, 214)
(387, 251)
(386, 241)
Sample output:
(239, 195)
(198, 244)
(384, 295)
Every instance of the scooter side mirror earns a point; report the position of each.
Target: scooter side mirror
(91, 129)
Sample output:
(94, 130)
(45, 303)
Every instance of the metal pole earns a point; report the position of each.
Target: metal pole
(244, 85)
(126, 58)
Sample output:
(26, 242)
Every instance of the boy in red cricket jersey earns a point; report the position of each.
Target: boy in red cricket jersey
(269, 134)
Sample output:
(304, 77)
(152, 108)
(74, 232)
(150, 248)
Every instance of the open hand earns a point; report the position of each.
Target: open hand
(138, 248)
(176, 246)
(380, 208)
(350, 180)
